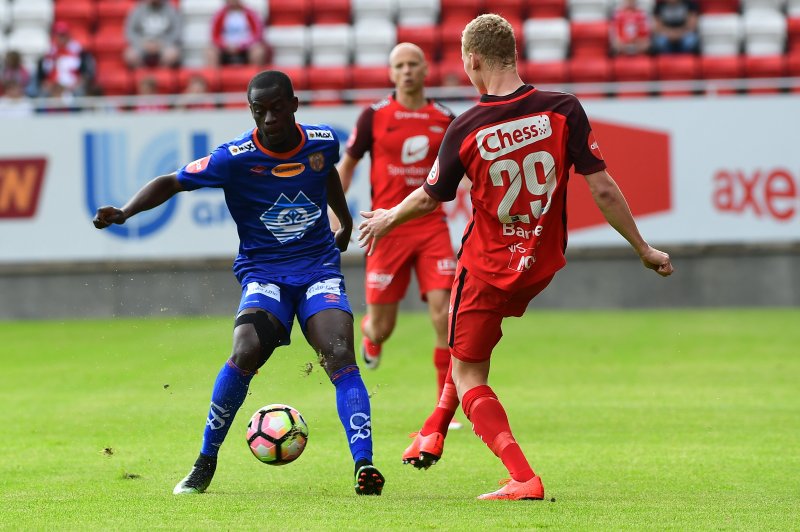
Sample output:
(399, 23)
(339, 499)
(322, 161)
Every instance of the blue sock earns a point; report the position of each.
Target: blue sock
(352, 403)
(229, 392)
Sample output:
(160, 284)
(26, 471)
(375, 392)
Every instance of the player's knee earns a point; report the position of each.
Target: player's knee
(252, 346)
(336, 356)
(382, 329)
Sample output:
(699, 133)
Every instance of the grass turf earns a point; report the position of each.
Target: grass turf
(635, 420)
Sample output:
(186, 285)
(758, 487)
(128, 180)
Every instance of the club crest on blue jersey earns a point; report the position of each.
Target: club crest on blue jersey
(317, 161)
(289, 219)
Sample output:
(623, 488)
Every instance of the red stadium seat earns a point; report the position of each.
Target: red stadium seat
(453, 74)
(166, 78)
(210, 75)
(677, 67)
(589, 39)
(633, 68)
(328, 82)
(428, 38)
(295, 13)
(298, 75)
(722, 67)
(765, 67)
(516, 9)
(330, 11)
(370, 77)
(719, 6)
(459, 11)
(793, 68)
(556, 72)
(434, 78)
(79, 14)
(234, 78)
(546, 9)
(590, 70)
(108, 45)
(451, 41)
(115, 81)
(793, 34)
(112, 12)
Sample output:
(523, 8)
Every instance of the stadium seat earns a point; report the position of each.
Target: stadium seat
(631, 69)
(793, 34)
(328, 82)
(373, 9)
(330, 11)
(370, 77)
(426, 37)
(765, 67)
(547, 9)
(546, 39)
(555, 72)
(289, 44)
(80, 15)
(196, 41)
(764, 32)
(234, 78)
(516, 9)
(331, 45)
(166, 78)
(720, 34)
(677, 67)
(793, 66)
(210, 75)
(115, 81)
(109, 42)
(32, 13)
(201, 10)
(451, 41)
(30, 41)
(434, 77)
(770, 5)
(283, 13)
(585, 10)
(589, 39)
(113, 12)
(722, 67)
(459, 11)
(453, 75)
(418, 12)
(708, 7)
(372, 42)
(590, 70)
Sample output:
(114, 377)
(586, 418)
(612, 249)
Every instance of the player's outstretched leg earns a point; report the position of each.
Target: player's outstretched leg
(370, 351)
(490, 423)
(428, 444)
(199, 478)
(229, 392)
(369, 480)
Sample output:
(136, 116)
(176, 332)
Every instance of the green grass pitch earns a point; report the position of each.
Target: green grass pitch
(635, 420)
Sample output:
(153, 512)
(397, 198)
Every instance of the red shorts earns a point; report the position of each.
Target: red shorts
(431, 255)
(477, 310)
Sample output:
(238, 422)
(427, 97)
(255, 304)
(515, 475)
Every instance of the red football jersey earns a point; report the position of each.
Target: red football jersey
(403, 145)
(517, 151)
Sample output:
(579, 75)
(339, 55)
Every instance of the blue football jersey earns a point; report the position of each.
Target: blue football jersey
(278, 201)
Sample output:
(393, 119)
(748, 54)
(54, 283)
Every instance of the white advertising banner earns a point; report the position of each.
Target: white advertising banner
(695, 171)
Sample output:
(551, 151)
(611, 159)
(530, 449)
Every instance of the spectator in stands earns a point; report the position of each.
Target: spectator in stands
(153, 30)
(14, 71)
(196, 95)
(675, 26)
(630, 29)
(67, 69)
(13, 101)
(151, 100)
(236, 32)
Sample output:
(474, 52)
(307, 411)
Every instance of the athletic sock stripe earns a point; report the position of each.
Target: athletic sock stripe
(461, 280)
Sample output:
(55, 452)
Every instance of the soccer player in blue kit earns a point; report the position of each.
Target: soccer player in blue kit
(278, 180)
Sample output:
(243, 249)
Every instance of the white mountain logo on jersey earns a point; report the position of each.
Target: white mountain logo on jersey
(289, 220)
(415, 149)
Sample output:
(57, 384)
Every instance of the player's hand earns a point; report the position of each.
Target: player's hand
(658, 261)
(108, 215)
(376, 225)
(342, 237)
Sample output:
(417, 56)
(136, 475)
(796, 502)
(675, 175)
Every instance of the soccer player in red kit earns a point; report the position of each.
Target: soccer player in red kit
(516, 146)
(403, 132)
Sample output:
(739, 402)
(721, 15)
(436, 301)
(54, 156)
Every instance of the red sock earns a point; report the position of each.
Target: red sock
(442, 415)
(490, 423)
(441, 361)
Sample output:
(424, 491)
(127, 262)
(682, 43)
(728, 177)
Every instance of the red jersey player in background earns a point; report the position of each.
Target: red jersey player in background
(516, 146)
(403, 132)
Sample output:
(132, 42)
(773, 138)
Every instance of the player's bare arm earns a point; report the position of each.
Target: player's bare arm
(338, 204)
(379, 222)
(346, 168)
(153, 194)
(612, 204)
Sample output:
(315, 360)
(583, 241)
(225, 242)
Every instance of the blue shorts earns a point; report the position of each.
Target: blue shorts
(288, 296)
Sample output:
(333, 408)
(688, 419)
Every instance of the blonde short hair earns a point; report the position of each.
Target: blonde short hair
(491, 37)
